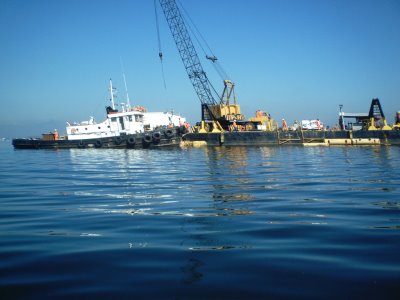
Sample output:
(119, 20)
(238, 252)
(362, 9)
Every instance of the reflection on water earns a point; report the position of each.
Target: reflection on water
(154, 183)
(157, 183)
(191, 272)
(283, 186)
(222, 222)
(228, 169)
(221, 181)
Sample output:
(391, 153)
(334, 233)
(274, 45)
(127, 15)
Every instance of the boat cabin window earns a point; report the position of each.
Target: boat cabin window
(130, 118)
(139, 118)
(113, 119)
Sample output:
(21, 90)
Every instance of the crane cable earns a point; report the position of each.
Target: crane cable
(212, 58)
(217, 66)
(160, 54)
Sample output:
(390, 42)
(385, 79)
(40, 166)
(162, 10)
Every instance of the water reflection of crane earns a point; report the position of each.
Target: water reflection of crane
(231, 164)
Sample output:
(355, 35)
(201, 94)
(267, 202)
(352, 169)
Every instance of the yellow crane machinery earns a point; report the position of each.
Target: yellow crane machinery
(263, 121)
(225, 109)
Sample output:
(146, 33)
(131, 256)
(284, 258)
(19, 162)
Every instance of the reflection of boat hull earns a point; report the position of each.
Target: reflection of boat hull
(154, 139)
(308, 137)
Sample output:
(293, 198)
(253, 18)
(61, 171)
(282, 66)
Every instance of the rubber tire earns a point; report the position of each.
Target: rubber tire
(147, 139)
(131, 140)
(156, 136)
(169, 133)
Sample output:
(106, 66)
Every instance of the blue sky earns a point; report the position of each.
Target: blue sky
(295, 59)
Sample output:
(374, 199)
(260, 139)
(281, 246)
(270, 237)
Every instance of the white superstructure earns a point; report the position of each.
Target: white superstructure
(130, 120)
(153, 120)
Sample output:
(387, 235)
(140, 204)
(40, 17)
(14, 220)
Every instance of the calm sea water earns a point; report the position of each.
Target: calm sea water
(200, 223)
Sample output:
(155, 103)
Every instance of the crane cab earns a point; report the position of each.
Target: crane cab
(226, 112)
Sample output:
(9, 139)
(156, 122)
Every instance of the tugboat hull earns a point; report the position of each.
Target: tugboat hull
(156, 139)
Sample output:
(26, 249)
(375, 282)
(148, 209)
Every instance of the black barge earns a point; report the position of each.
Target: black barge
(298, 137)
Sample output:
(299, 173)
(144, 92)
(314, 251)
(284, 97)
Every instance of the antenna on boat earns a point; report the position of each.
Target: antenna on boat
(126, 90)
(112, 95)
(126, 87)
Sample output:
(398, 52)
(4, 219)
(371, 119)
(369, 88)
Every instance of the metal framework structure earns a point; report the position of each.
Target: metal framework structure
(189, 57)
(376, 109)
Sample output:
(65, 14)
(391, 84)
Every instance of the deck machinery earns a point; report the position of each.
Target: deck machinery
(373, 120)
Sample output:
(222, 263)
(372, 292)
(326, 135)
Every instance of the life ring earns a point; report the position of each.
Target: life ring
(81, 144)
(98, 144)
(156, 136)
(131, 140)
(169, 133)
(147, 138)
(118, 140)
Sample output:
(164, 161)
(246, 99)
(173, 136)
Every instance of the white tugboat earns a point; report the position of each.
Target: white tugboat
(132, 127)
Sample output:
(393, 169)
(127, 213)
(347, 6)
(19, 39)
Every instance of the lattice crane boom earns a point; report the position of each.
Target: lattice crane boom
(190, 59)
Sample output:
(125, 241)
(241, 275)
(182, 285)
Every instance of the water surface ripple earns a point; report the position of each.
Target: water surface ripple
(200, 223)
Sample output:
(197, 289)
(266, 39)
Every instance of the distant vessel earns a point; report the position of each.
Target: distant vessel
(132, 127)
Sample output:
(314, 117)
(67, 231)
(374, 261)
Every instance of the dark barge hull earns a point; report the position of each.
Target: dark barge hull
(148, 140)
(300, 137)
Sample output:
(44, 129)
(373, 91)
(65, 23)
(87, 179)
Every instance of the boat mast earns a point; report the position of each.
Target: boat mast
(112, 95)
(126, 87)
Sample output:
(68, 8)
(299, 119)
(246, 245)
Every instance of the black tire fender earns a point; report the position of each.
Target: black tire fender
(169, 133)
(131, 140)
(147, 138)
(156, 136)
